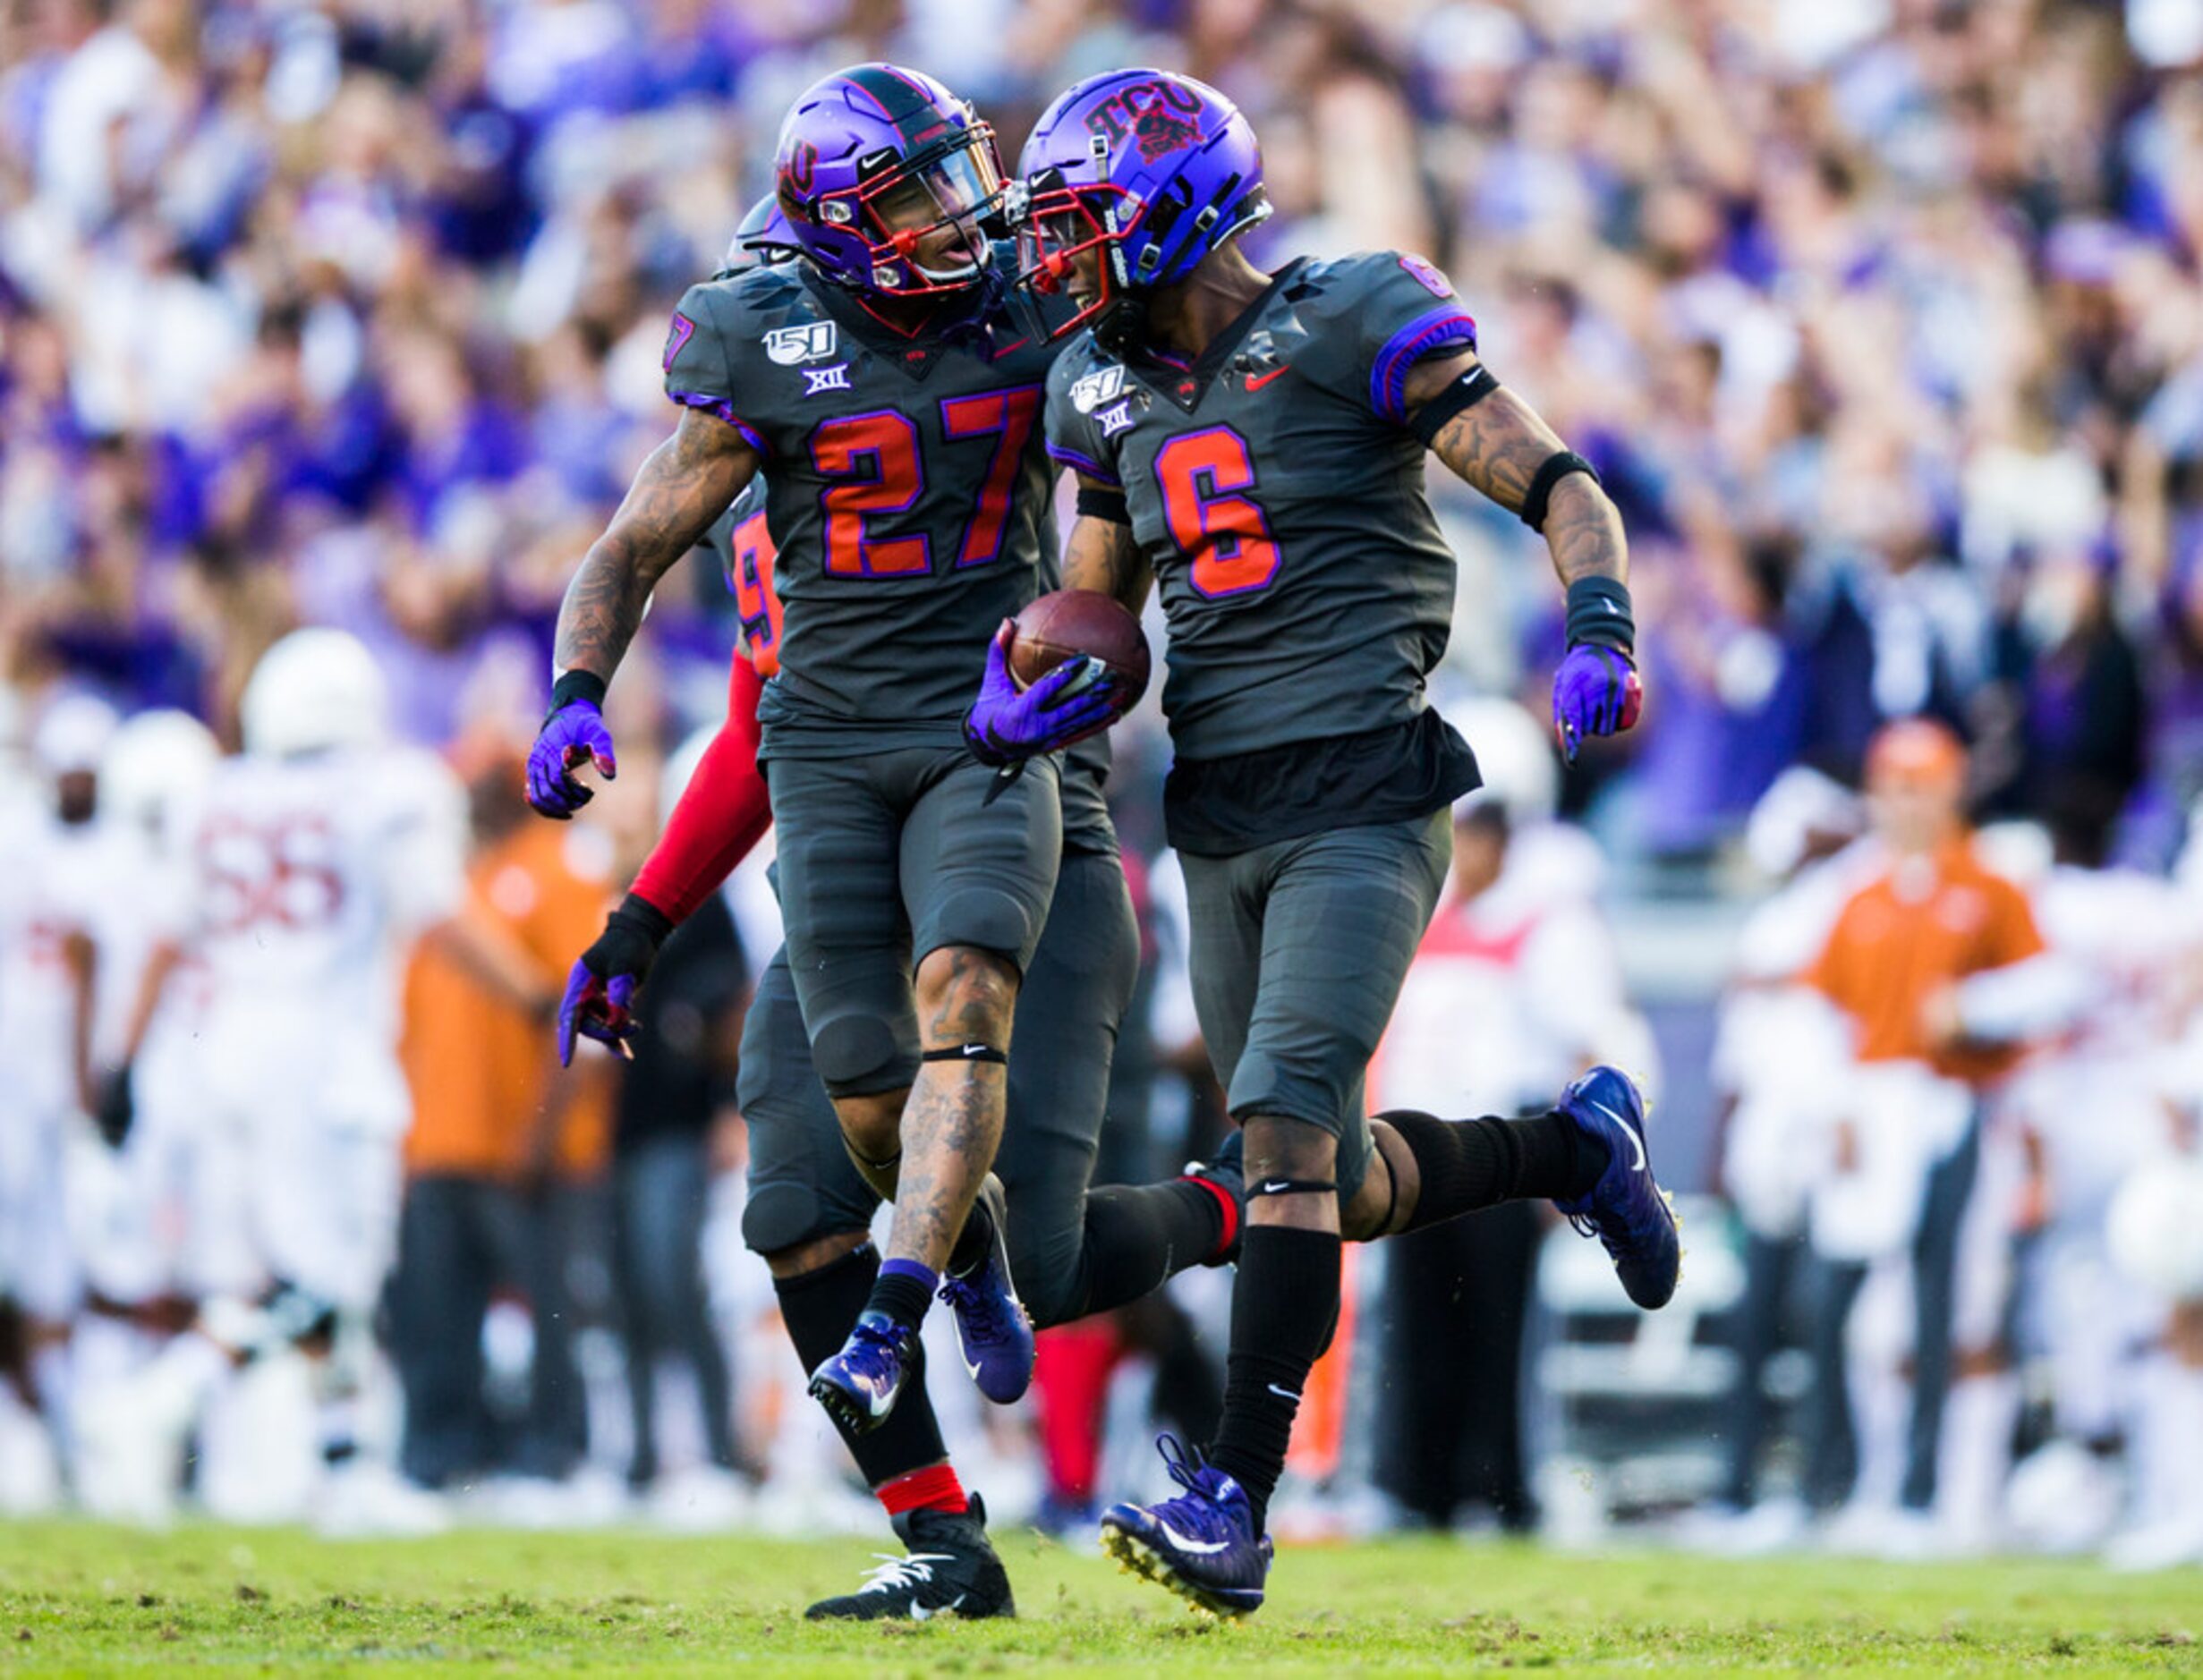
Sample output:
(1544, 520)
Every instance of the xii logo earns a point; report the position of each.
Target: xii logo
(833, 378)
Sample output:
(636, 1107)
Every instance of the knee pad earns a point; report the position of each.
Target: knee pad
(782, 1217)
(855, 1055)
(987, 920)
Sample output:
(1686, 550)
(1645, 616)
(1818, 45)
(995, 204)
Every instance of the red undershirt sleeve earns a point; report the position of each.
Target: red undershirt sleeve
(722, 813)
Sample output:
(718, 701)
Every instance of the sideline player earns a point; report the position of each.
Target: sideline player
(301, 900)
(1256, 441)
(888, 387)
(61, 860)
(808, 1213)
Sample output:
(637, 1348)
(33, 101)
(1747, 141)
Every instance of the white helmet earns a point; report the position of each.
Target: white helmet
(157, 760)
(316, 688)
(71, 734)
(1515, 752)
(2152, 1232)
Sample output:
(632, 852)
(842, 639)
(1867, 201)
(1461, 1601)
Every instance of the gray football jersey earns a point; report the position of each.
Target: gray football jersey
(906, 481)
(740, 540)
(1278, 492)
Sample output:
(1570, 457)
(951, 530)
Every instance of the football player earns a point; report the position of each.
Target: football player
(887, 389)
(1256, 443)
(61, 862)
(301, 900)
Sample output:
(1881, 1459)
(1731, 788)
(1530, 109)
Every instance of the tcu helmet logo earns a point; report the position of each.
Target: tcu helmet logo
(806, 340)
(1089, 393)
(803, 166)
(1160, 117)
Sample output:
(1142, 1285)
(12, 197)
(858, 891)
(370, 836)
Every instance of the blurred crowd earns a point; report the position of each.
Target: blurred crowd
(1883, 320)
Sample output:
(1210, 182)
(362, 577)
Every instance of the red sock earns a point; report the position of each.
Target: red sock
(1227, 1214)
(1071, 1384)
(933, 1488)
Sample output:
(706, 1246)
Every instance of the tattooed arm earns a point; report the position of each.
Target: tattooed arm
(1103, 554)
(682, 486)
(1497, 446)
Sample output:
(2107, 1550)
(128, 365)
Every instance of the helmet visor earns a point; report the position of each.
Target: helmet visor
(930, 212)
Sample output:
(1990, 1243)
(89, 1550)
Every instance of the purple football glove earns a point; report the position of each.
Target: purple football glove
(572, 736)
(600, 992)
(1008, 724)
(1594, 693)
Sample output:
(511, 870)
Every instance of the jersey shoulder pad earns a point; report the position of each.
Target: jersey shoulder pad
(1090, 400)
(1369, 317)
(724, 329)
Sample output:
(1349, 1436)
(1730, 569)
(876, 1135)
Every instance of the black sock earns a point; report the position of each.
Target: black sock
(1136, 1237)
(1466, 1164)
(1284, 1307)
(819, 1309)
(972, 1242)
(903, 1291)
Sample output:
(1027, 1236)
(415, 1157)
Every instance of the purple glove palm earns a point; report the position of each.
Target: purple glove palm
(1594, 693)
(600, 992)
(572, 736)
(598, 1009)
(1008, 724)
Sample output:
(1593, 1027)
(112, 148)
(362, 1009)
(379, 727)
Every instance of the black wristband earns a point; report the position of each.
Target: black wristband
(1098, 502)
(574, 685)
(1550, 473)
(1599, 616)
(647, 916)
(1464, 393)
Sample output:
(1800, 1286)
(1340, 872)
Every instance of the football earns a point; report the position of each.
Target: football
(1069, 623)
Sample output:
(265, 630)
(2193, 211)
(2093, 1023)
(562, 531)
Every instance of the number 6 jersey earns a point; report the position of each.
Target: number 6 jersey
(1275, 487)
(906, 483)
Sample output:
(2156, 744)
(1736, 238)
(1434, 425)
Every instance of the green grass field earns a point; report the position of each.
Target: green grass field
(79, 1598)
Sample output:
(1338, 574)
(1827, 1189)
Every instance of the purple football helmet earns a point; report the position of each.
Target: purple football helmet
(872, 160)
(762, 238)
(1153, 169)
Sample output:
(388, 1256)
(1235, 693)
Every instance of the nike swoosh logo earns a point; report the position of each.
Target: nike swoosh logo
(1636, 1143)
(975, 1050)
(1201, 1548)
(1253, 383)
(1284, 1394)
(919, 1613)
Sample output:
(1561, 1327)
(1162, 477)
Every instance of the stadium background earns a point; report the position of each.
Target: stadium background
(1881, 322)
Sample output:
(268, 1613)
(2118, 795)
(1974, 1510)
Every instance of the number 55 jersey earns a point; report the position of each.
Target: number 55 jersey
(301, 897)
(905, 482)
(1278, 492)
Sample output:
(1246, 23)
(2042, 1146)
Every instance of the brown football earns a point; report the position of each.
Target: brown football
(1073, 622)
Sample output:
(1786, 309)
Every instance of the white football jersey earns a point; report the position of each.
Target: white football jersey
(1511, 994)
(57, 876)
(308, 879)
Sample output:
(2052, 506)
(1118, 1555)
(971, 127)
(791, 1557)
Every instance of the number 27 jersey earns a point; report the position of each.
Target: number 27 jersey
(907, 485)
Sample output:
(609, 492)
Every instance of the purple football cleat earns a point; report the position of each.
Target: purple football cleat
(994, 1333)
(859, 1386)
(1203, 1545)
(1626, 1210)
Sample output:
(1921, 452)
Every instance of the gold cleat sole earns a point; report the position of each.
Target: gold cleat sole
(1134, 1557)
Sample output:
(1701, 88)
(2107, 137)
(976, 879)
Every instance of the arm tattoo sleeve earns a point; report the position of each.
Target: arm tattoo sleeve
(1497, 446)
(1103, 555)
(682, 486)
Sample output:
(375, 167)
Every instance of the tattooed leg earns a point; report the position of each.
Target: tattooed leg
(953, 1121)
(872, 1131)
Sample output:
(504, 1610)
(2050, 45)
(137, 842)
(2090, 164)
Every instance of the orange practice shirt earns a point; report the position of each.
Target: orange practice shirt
(479, 1067)
(1923, 924)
